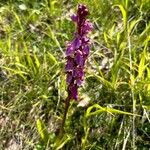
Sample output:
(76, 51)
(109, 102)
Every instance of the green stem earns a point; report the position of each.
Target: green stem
(67, 104)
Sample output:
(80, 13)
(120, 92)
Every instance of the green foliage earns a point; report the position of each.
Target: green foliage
(114, 105)
(103, 109)
(42, 131)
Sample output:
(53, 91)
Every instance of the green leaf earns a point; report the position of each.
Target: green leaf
(42, 131)
(124, 15)
(15, 71)
(100, 110)
(37, 62)
(60, 142)
(52, 59)
(106, 39)
(142, 66)
(132, 25)
(102, 80)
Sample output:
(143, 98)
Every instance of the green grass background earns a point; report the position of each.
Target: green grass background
(116, 92)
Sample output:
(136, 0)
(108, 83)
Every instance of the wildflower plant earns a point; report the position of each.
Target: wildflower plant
(118, 80)
(76, 55)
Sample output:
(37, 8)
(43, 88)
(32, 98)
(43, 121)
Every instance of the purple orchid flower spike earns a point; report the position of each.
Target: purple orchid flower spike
(77, 52)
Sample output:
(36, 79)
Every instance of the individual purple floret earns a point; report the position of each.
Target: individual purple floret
(77, 52)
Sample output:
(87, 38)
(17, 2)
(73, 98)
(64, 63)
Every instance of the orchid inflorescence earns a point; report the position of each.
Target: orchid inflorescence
(77, 52)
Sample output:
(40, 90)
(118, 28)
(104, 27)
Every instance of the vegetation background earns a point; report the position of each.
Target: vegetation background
(113, 112)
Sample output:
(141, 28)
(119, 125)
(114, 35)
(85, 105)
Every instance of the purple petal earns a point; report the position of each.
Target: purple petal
(70, 50)
(69, 77)
(74, 18)
(81, 7)
(82, 10)
(77, 43)
(85, 40)
(79, 58)
(78, 73)
(73, 46)
(70, 64)
(87, 27)
(74, 91)
(86, 50)
(78, 82)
